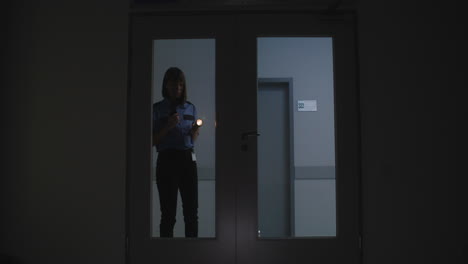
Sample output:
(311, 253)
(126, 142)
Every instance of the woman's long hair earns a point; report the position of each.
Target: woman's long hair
(175, 74)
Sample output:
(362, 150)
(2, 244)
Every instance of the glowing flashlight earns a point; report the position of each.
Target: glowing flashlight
(198, 123)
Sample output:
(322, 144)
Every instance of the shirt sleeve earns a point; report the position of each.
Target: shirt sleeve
(195, 117)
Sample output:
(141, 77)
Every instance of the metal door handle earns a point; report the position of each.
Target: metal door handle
(245, 135)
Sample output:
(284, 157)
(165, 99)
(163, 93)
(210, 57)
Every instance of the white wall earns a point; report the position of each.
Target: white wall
(315, 212)
(309, 62)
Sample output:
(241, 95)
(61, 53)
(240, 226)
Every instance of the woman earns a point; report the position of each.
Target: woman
(174, 134)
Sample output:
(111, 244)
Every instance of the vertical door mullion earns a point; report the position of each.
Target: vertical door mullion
(246, 227)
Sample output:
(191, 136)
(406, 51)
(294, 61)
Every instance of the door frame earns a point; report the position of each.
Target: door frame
(228, 188)
(290, 91)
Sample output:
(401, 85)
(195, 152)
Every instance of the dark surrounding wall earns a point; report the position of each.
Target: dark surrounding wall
(412, 76)
(64, 95)
(63, 132)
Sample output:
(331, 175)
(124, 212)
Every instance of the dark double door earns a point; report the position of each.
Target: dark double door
(236, 237)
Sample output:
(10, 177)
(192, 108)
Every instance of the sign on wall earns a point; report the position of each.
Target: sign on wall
(307, 105)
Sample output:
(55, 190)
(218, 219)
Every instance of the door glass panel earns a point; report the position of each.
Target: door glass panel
(172, 172)
(296, 147)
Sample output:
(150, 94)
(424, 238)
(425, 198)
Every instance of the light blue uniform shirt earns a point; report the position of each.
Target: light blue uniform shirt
(179, 137)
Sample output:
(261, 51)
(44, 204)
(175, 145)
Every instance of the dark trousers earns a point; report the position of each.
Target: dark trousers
(176, 171)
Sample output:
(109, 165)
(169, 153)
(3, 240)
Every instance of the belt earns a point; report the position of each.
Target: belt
(176, 150)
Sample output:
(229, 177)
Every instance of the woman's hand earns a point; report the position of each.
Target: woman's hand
(173, 120)
(195, 132)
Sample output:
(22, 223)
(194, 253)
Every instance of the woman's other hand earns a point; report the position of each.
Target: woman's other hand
(173, 121)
